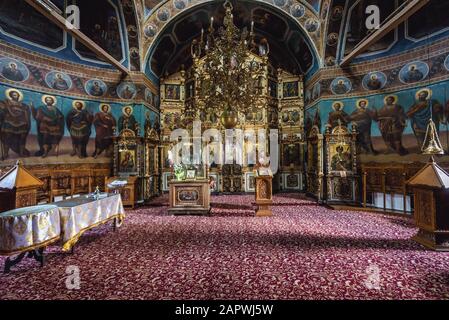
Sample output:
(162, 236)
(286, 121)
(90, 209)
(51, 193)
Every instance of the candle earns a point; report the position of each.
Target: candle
(202, 34)
(252, 26)
(212, 22)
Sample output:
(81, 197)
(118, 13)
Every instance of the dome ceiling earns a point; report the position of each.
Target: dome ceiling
(288, 46)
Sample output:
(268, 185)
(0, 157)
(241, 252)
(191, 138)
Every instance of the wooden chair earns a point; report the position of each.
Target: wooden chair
(43, 193)
(99, 177)
(81, 182)
(61, 184)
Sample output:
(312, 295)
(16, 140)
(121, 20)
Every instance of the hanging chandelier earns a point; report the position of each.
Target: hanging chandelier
(229, 68)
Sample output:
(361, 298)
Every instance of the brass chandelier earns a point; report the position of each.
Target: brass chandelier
(228, 66)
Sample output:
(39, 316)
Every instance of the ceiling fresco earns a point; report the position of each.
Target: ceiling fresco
(151, 4)
(171, 28)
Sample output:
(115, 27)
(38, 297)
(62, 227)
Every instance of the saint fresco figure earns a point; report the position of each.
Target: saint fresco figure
(340, 86)
(96, 90)
(60, 83)
(12, 72)
(414, 74)
(374, 83)
(105, 125)
(15, 124)
(79, 123)
(421, 111)
(338, 116)
(341, 161)
(363, 117)
(127, 120)
(50, 125)
(392, 122)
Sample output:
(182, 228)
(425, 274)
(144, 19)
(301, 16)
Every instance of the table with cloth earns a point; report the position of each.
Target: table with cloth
(81, 214)
(28, 231)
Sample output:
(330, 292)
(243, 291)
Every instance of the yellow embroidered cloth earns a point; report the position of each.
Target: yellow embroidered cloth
(28, 228)
(83, 213)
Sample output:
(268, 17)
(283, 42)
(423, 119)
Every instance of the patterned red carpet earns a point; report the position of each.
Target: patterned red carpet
(303, 252)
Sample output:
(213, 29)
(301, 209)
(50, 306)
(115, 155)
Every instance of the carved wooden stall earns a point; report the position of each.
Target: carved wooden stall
(341, 165)
(387, 180)
(315, 164)
(63, 180)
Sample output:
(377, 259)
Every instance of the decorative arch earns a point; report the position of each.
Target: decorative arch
(168, 11)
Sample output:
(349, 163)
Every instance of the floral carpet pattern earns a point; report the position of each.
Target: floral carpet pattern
(303, 252)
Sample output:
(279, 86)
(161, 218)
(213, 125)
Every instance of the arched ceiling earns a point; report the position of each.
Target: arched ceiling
(292, 28)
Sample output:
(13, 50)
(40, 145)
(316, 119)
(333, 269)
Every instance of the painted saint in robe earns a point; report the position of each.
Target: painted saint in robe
(50, 125)
(374, 83)
(392, 122)
(127, 120)
(338, 116)
(15, 124)
(79, 123)
(341, 161)
(420, 113)
(363, 117)
(60, 83)
(11, 72)
(96, 89)
(105, 124)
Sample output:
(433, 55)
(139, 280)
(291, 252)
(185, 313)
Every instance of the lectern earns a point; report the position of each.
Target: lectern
(264, 192)
(431, 190)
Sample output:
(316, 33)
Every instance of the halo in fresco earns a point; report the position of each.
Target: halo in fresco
(58, 81)
(45, 96)
(150, 30)
(104, 107)
(414, 72)
(446, 63)
(341, 85)
(395, 98)
(8, 92)
(163, 15)
(179, 4)
(312, 25)
(297, 10)
(374, 80)
(126, 90)
(13, 70)
(95, 87)
(77, 103)
(280, 3)
(332, 39)
(337, 13)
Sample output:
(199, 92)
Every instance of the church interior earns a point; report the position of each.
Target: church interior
(224, 150)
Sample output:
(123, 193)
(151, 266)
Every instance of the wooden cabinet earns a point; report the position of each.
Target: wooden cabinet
(189, 197)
